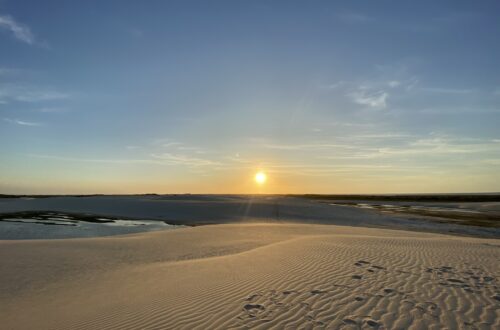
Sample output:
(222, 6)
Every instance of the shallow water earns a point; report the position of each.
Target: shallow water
(68, 226)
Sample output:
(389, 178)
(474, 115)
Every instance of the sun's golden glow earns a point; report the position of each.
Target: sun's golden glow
(260, 177)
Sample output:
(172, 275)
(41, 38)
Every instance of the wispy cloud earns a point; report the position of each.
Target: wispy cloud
(335, 85)
(31, 94)
(308, 146)
(434, 146)
(95, 160)
(178, 146)
(375, 92)
(22, 122)
(186, 160)
(396, 83)
(19, 30)
(376, 99)
(162, 159)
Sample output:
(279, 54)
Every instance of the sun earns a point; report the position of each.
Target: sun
(260, 177)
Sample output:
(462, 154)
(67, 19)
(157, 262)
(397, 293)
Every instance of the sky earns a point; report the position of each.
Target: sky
(197, 96)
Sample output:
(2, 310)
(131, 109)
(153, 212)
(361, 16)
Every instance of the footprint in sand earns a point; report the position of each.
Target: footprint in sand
(317, 291)
(454, 280)
(372, 323)
(349, 321)
(287, 292)
(254, 308)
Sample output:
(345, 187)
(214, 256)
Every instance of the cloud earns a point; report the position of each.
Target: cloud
(373, 93)
(308, 146)
(181, 159)
(376, 99)
(21, 122)
(435, 146)
(162, 159)
(95, 160)
(178, 146)
(20, 31)
(19, 93)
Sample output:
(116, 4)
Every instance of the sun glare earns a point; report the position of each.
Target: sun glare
(260, 177)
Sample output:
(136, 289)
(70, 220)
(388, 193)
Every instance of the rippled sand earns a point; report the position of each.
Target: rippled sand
(252, 276)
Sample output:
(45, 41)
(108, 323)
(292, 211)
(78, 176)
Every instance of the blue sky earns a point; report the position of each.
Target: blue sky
(196, 96)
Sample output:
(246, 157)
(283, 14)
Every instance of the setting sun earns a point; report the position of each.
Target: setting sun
(260, 177)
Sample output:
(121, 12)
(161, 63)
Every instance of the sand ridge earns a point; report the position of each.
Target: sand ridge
(258, 276)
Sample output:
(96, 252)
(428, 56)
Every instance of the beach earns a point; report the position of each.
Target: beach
(252, 275)
(221, 165)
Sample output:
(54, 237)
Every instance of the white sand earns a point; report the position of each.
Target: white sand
(252, 275)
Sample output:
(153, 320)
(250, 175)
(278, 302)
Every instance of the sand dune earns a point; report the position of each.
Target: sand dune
(252, 276)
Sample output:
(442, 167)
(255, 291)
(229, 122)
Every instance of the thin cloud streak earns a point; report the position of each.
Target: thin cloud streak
(22, 122)
(425, 147)
(310, 146)
(27, 94)
(95, 160)
(20, 31)
(180, 159)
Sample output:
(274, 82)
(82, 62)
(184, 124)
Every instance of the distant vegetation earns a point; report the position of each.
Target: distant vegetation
(494, 197)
